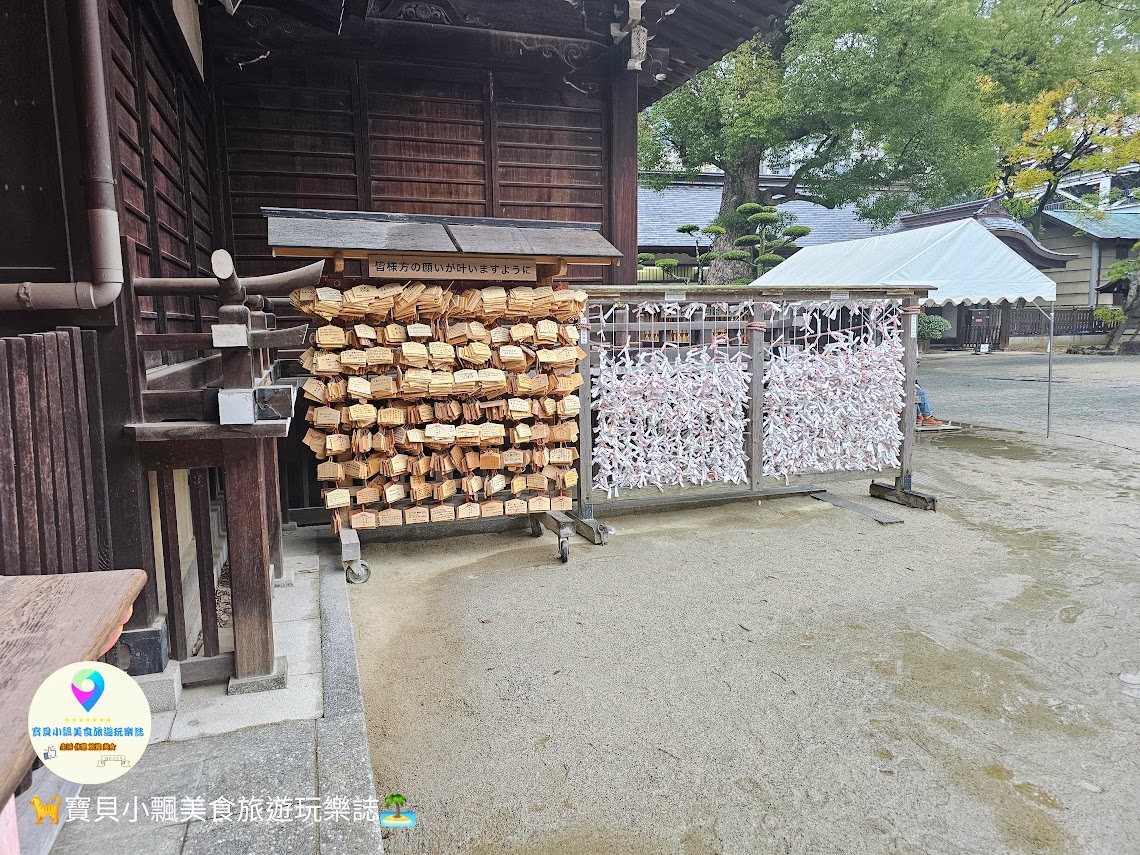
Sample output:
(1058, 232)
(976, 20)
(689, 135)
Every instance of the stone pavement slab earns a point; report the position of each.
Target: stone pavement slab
(304, 745)
(300, 641)
(209, 710)
(274, 761)
(126, 839)
(298, 602)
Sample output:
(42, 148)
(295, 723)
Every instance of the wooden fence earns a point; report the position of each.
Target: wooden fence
(1028, 321)
(54, 510)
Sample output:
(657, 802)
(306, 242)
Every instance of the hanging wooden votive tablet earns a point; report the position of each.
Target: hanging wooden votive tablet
(424, 404)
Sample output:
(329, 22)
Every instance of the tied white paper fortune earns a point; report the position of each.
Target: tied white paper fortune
(835, 407)
(662, 421)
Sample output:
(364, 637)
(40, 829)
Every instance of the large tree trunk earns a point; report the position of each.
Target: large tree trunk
(741, 184)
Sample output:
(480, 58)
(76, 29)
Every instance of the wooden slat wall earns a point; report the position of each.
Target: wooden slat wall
(135, 216)
(161, 120)
(549, 155)
(427, 142)
(52, 471)
(291, 141)
(311, 131)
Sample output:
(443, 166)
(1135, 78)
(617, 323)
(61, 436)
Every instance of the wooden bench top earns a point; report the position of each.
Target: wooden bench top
(47, 622)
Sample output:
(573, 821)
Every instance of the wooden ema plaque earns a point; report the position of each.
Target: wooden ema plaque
(443, 513)
(455, 267)
(364, 519)
(436, 402)
(389, 517)
(339, 498)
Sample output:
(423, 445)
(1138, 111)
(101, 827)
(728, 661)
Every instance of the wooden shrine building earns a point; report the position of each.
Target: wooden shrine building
(146, 135)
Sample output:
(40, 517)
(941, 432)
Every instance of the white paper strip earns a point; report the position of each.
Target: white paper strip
(663, 421)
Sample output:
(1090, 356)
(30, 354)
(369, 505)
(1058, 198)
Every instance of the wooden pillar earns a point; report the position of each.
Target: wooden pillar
(1005, 324)
(910, 364)
(756, 350)
(250, 584)
(204, 553)
(621, 221)
(172, 564)
(123, 379)
(237, 362)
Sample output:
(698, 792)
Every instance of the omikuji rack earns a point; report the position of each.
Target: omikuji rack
(677, 319)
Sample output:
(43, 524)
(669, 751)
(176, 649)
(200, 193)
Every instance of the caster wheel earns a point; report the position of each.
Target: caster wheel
(357, 572)
(535, 527)
(564, 551)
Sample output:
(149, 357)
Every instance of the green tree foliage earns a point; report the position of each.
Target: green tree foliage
(906, 105)
(931, 327)
(867, 98)
(772, 238)
(1065, 82)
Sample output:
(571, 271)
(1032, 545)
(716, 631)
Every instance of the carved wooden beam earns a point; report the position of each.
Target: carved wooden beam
(271, 284)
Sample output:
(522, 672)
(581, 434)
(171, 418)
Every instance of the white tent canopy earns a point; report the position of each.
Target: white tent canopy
(960, 262)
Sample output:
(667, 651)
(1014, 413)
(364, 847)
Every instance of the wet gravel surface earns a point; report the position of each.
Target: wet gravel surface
(1095, 398)
(793, 677)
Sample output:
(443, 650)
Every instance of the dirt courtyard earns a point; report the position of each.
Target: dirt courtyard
(785, 678)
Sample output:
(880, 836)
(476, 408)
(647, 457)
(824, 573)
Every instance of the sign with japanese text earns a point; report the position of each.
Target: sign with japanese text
(456, 266)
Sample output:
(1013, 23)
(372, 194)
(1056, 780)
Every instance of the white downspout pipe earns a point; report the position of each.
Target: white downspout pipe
(98, 178)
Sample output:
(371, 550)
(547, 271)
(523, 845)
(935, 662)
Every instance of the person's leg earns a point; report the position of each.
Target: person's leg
(923, 402)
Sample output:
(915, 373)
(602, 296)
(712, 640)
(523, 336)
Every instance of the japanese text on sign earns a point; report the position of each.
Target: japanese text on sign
(452, 267)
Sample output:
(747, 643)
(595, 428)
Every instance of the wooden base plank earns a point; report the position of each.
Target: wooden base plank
(613, 507)
(910, 498)
(882, 519)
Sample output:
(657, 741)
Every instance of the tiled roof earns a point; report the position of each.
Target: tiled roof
(1110, 224)
(660, 212)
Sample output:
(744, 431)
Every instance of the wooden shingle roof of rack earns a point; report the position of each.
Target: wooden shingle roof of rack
(355, 234)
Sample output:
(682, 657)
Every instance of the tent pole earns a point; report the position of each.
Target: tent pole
(1049, 383)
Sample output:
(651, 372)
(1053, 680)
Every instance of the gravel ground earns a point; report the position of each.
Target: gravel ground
(1096, 399)
(793, 677)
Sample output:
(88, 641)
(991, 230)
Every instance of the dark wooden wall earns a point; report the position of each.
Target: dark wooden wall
(342, 134)
(161, 113)
(35, 201)
(54, 510)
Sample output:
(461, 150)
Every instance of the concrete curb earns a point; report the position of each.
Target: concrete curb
(344, 766)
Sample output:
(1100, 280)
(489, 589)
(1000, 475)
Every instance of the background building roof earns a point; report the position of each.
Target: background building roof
(698, 201)
(993, 215)
(1106, 225)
